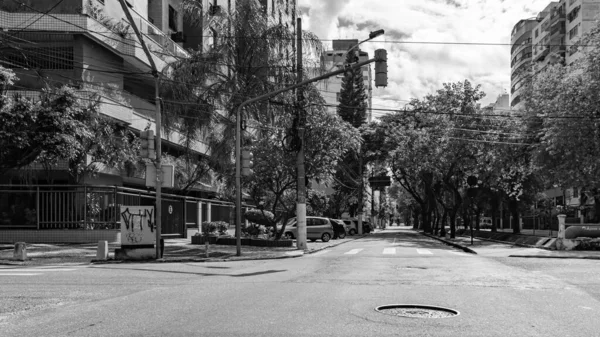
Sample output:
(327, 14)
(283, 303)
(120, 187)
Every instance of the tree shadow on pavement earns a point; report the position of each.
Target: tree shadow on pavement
(196, 273)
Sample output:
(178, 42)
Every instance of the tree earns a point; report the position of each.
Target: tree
(352, 108)
(251, 55)
(60, 126)
(274, 183)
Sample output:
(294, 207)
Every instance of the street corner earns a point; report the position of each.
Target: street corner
(449, 242)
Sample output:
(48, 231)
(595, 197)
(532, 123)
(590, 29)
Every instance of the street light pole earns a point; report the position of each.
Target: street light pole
(301, 192)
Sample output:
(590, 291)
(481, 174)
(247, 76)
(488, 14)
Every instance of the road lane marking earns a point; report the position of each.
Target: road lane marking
(34, 269)
(460, 253)
(321, 252)
(353, 251)
(424, 252)
(19, 274)
(389, 251)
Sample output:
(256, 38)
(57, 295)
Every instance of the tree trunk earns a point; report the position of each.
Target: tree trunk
(444, 220)
(453, 223)
(416, 219)
(514, 211)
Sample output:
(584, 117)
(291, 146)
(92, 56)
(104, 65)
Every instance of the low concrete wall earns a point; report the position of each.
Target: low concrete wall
(60, 236)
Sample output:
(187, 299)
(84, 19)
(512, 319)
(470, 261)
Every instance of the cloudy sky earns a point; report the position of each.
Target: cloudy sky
(416, 66)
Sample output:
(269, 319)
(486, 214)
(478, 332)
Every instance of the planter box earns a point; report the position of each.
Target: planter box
(226, 241)
(270, 243)
(200, 240)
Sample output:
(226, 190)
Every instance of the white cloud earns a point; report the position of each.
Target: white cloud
(417, 69)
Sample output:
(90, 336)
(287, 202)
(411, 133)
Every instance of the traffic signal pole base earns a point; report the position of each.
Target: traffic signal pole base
(301, 220)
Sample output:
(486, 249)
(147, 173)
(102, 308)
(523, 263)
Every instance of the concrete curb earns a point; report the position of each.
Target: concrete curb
(450, 243)
(557, 257)
(512, 243)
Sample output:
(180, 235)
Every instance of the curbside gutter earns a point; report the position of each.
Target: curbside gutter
(450, 243)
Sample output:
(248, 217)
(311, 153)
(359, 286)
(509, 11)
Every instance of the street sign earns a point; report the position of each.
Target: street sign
(380, 181)
(168, 175)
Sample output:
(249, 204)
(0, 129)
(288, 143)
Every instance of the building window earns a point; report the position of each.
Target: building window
(537, 32)
(173, 19)
(573, 14)
(574, 32)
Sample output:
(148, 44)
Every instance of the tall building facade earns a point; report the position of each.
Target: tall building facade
(520, 57)
(551, 37)
(330, 88)
(90, 45)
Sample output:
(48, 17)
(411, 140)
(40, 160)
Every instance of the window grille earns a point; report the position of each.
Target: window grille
(38, 58)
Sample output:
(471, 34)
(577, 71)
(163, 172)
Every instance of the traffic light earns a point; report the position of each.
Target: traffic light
(381, 79)
(247, 164)
(147, 148)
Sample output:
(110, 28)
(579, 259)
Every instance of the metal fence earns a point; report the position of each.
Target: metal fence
(45, 207)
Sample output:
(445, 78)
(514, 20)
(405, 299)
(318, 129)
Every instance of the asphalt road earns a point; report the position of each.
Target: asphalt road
(330, 293)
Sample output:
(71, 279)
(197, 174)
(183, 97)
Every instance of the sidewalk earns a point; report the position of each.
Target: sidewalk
(530, 251)
(176, 250)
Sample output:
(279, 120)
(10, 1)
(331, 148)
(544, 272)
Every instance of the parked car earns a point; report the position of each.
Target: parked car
(339, 228)
(485, 223)
(353, 226)
(317, 228)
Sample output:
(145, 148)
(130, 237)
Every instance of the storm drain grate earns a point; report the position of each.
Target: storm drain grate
(416, 311)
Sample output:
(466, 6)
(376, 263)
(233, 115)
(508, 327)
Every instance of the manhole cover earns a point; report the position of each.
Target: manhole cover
(416, 311)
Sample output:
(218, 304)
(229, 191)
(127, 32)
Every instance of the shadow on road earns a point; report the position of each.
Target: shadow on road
(194, 273)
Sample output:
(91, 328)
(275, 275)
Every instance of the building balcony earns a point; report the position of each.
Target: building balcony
(540, 55)
(163, 49)
(516, 49)
(127, 108)
(557, 17)
(557, 31)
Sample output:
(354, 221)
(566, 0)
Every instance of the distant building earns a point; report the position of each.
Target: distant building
(551, 37)
(330, 88)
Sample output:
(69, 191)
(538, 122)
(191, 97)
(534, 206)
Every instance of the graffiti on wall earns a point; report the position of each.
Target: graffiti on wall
(137, 225)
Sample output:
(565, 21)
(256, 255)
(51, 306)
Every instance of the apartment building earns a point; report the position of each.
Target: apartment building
(521, 53)
(89, 45)
(330, 88)
(551, 37)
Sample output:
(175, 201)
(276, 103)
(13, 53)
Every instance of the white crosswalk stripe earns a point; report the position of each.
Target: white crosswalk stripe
(460, 253)
(390, 251)
(31, 271)
(353, 251)
(424, 252)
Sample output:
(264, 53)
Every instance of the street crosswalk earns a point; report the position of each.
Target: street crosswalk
(33, 271)
(394, 251)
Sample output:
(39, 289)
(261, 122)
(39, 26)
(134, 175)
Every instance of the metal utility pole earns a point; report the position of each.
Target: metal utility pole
(158, 121)
(360, 193)
(301, 193)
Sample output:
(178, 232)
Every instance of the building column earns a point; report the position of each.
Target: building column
(199, 216)
(208, 211)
